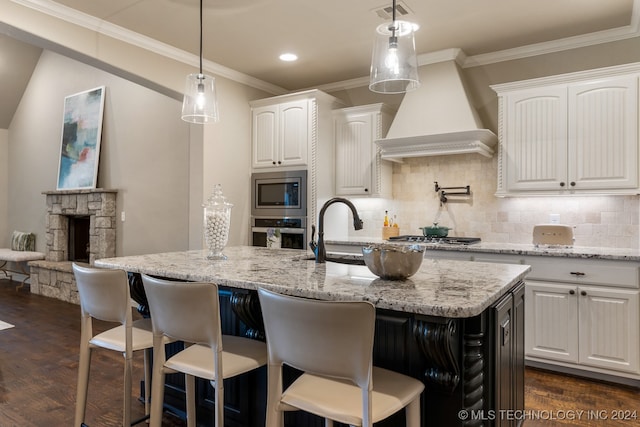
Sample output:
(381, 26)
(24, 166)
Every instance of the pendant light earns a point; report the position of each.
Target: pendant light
(200, 104)
(394, 66)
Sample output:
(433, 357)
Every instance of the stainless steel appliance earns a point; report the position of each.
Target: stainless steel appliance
(450, 240)
(279, 209)
(279, 194)
(289, 233)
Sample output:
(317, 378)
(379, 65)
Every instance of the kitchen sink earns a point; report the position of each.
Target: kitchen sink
(350, 259)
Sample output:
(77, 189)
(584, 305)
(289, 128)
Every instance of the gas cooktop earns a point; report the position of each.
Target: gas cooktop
(450, 240)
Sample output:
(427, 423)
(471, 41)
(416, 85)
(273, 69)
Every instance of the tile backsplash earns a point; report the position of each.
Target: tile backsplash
(606, 221)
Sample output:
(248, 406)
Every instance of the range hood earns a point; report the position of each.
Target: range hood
(437, 119)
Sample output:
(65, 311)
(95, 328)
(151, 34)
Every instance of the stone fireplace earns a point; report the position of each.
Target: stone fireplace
(80, 226)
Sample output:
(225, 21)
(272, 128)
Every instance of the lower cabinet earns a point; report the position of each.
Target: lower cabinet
(582, 314)
(592, 326)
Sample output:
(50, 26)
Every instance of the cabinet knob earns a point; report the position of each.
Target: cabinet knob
(583, 293)
(366, 190)
(573, 184)
(562, 184)
(577, 273)
(572, 292)
(279, 162)
(274, 162)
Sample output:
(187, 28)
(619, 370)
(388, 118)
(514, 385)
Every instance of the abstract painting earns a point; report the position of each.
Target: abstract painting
(81, 134)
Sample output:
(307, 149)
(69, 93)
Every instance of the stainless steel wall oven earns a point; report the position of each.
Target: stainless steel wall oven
(279, 209)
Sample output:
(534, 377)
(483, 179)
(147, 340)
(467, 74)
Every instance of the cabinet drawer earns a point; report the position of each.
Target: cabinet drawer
(587, 271)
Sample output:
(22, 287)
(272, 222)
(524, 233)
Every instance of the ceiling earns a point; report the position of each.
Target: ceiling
(333, 38)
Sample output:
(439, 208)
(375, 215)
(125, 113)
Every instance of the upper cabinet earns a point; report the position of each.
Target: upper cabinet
(570, 134)
(360, 170)
(280, 134)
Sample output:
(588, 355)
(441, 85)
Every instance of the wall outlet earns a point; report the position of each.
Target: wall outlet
(553, 218)
(122, 216)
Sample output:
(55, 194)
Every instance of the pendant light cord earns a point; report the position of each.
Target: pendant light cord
(201, 36)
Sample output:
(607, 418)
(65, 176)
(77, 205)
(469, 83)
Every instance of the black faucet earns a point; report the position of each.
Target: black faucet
(321, 253)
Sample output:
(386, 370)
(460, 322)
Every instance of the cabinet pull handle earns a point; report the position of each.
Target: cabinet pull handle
(562, 184)
(572, 292)
(577, 273)
(583, 293)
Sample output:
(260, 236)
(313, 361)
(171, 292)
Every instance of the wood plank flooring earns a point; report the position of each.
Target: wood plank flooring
(39, 362)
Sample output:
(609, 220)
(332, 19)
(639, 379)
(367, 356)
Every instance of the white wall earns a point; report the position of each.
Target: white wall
(4, 187)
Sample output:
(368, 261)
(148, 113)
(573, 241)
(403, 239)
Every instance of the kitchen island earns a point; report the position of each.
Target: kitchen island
(454, 324)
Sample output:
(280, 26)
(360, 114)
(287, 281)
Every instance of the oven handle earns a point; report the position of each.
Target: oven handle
(282, 230)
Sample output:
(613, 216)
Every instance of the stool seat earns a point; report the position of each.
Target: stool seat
(114, 338)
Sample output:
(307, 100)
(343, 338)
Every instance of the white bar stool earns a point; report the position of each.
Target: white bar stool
(332, 343)
(190, 312)
(104, 295)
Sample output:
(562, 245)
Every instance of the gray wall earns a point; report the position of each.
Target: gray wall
(144, 155)
(4, 187)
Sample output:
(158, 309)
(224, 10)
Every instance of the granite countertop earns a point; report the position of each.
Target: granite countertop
(444, 288)
(584, 252)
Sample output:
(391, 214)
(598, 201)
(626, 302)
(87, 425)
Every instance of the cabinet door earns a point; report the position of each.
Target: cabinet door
(354, 138)
(536, 139)
(293, 132)
(265, 136)
(609, 328)
(603, 134)
(551, 321)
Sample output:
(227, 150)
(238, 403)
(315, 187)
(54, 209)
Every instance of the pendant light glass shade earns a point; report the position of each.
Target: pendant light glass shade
(200, 103)
(394, 66)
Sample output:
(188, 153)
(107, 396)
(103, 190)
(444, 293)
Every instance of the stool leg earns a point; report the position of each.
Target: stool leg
(413, 413)
(126, 413)
(328, 422)
(190, 386)
(147, 380)
(83, 382)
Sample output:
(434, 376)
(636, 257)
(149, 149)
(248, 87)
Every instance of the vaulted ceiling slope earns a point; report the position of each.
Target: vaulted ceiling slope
(333, 38)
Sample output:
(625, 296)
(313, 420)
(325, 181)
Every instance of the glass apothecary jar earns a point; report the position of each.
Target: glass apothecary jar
(217, 221)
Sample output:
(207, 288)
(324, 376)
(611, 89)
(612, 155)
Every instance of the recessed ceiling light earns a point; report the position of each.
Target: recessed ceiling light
(288, 57)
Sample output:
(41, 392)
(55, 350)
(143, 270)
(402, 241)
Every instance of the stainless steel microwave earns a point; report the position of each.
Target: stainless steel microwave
(279, 194)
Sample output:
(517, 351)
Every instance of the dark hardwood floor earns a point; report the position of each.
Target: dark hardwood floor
(39, 362)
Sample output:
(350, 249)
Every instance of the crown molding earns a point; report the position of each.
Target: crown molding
(116, 32)
(100, 26)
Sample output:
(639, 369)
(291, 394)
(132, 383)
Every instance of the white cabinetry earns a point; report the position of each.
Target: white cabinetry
(295, 131)
(360, 171)
(570, 134)
(280, 134)
(580, 314)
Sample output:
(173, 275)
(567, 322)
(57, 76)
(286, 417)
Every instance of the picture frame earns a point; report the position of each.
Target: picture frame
(81, 138)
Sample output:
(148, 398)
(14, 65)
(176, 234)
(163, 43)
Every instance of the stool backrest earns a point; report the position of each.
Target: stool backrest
(104, 293)
(184, 311)
(333, 339)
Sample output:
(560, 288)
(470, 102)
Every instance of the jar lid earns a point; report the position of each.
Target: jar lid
(217, 199)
